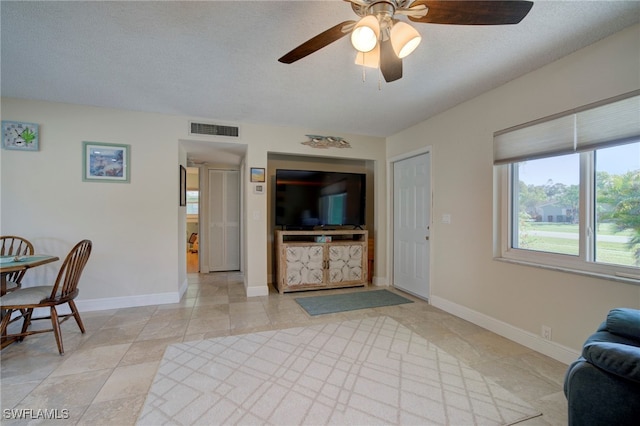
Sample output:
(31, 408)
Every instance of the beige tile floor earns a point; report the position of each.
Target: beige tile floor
(105, 374)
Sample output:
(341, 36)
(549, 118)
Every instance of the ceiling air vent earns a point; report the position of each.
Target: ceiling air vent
(209, 129)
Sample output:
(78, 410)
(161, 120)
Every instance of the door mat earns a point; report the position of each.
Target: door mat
(320, 305)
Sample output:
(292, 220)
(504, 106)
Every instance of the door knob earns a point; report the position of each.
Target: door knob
(426, 238)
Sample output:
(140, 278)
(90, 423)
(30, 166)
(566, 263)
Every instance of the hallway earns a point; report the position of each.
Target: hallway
(192, 262)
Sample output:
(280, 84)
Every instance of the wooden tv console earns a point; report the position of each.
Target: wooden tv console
(303, 262)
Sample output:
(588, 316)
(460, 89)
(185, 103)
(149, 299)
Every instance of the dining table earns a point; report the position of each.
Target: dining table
(14, 264)
(19, 263)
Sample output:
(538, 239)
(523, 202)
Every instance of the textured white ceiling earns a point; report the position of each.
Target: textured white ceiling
(218, 59)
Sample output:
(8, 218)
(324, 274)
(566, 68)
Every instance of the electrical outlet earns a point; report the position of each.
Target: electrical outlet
(546, 332)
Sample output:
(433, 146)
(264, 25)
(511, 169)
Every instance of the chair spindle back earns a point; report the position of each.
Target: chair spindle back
(66, 285)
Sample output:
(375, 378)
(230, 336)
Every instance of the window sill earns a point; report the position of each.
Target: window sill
(617, 278)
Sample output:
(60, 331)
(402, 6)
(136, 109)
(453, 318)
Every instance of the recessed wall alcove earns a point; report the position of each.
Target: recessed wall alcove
(330, 164)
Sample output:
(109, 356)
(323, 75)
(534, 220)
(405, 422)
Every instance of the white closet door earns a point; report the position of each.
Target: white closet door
(224, 220)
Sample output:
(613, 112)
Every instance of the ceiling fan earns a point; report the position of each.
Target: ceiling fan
(382, 40)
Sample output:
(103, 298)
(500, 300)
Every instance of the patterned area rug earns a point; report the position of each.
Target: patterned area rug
(372, 371)
(319, 305)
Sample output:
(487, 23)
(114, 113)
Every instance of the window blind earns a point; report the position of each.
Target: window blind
(610, 122)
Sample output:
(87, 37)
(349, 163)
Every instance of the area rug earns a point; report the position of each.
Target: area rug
(372, 371)
(319, 305)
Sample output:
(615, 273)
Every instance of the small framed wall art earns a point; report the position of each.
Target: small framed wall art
(183, 186)
(257, 174)
(105, 162)
(20, 136)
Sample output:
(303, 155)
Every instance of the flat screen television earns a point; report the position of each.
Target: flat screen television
(307, 199)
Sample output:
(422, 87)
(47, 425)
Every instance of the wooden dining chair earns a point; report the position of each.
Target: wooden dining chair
(64, 290)
(15, 246)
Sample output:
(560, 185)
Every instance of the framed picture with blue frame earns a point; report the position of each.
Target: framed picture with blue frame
(105, 162)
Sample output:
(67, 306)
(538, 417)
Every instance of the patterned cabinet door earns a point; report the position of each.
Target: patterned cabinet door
(304, 265)
(346, 263)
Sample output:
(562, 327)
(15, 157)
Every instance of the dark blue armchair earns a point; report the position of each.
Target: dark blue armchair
(603, 386)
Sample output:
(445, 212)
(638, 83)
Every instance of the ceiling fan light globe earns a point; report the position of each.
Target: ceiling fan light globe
(404, 39)
(364, 36)
(369, 59)
(409, 47)
(364, 39)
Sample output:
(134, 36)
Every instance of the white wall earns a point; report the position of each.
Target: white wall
(137, 228)
(134, 227)
(511, 299)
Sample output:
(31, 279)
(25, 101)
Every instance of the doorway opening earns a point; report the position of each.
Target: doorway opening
(199, 215)
(193, 222)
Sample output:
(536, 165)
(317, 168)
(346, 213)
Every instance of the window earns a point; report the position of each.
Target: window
(569, 190)
(545, 204)
(192, 202)
(617, 205)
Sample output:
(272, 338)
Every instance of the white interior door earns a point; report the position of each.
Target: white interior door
(224, 220)
(411, 219)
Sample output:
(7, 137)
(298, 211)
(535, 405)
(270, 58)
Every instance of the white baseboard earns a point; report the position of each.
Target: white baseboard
(378, 281)
(105, 304)
(530, 340)
(148, 299)
(256, 291)
(128, 301)
(183, 288)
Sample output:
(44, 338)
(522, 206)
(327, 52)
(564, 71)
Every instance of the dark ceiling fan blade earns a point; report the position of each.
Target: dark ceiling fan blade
(473, 12)
(390, 64)
(316, 43)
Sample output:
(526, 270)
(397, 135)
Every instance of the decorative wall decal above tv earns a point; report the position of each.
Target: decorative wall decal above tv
(324, 142)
